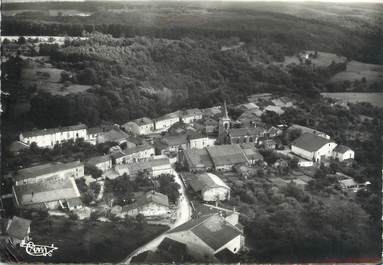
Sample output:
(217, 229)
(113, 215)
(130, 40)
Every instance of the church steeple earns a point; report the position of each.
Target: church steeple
(223, 125)
(225, 113)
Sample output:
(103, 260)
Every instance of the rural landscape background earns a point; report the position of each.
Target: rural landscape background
(112, 62)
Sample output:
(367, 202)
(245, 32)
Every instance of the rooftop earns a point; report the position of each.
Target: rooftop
(58, 189)
(143, 121)
(198, 158)
(98, 159)
(147, 198)
(226, 154)
(310, 142)
(18, 227)
(55, 130)
(44, 169)
(206, 181)
(341, 149)
(138, 148)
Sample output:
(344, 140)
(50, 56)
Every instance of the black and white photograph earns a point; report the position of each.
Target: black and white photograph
(191, 132)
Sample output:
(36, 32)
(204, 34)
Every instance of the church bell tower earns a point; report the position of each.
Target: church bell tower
(223, 126)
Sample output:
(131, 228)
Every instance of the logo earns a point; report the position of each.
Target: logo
(38, 250)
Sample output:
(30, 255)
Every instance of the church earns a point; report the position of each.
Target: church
(229, 135)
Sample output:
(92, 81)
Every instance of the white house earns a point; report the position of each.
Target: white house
(149, 204)
(103, 163)
(313, 147)
(342, 152)
(211, 187)
(191, 115)
(41, 173)
(140, 126)
(50, 137)
(199, 141)
(164, 122)
(154, 167)
(139, 153)
(207, 235)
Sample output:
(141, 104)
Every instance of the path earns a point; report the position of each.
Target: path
(184, 213)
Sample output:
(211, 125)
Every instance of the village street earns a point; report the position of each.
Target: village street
(183, 214)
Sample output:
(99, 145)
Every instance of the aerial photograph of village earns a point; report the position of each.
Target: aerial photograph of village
(191, 132)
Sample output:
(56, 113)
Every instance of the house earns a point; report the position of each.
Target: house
(93, 133)
(347, 183)
(164, 122)
(103, 163)
(207, 235)
(305, 129)
(273, 132)
(18, 230)
(313, 147)
(41, 173)
(276, 109)
(196, 160)
(141, 126)
(51, 194)
(149, 204)
(138, 153)
(224, 157)
(210, 186)
(114, 134)
(172, 143)
(342, 152)
(191, 115)
(251, 153)
(211, 125)
(196, 140)
(50, 137)
(154, 167)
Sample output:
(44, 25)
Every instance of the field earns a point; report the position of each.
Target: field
(357, 70)
(89, 242)
(324, 59)
(375, 99)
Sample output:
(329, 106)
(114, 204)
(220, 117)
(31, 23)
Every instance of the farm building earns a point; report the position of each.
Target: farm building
(149, 204)
(313, 147)
(207, 235)
(224, 157)
(210, 186)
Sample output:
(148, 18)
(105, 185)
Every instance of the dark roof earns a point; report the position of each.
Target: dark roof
(54, 130)
(189, 224)
(138, 148)
(49, 168)
(149, 197)
(19, 227)
(198, 158)
(341, 149)
(172, 246)
(175, 139)
(143, 121)
(310, 142)
(98, 159)
(216, 232)
(226, 154)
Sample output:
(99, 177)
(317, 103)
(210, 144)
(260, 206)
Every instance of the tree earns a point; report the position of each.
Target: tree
(21, 40)
(94, 171)
(140, 220)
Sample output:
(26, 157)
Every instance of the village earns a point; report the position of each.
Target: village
(183, 170)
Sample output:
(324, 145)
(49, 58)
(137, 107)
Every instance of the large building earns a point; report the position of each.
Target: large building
(208, 235)
(164, 122)
(149, 204)
(50, 137)
(191, 115)
(41, 173)
(140, 126)
(154, 167)
(103, 163)
(224, 157)
(52, 194)
(134, 154)
(313, 147)
(217, 157)
(210, 186)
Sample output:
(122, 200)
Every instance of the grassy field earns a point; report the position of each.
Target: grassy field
(357, 70)
(89, 242)
(375, 99)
